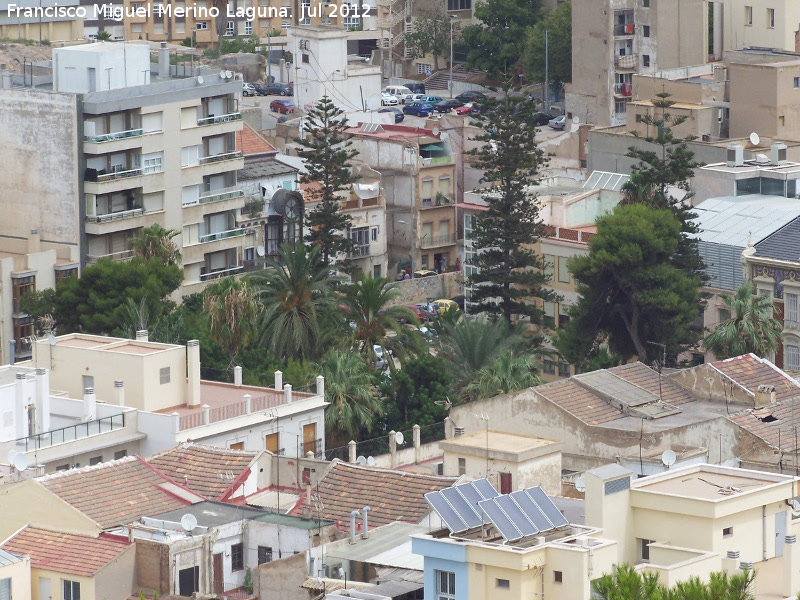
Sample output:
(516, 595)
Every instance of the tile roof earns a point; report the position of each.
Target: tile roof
(782, 244)
(118, 492)
(775, 424)
(249, 142)
(209, 470)
(391, 495)
(750, 371)
(647, 378)
(67, 553)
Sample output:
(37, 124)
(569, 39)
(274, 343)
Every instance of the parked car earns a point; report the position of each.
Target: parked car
(248, 89)
(282, 106)
(421, 109)
(432, 99)
(398, 114)
(416, 98)
(415, 86)
(389, 100)
(400, 92)
(430, 308)
(429, 332)
(261, 89)
(558, 122)
(447, 105)
(471, 96)
(421, 313)
(382, 357)
(444, 305)
(542, 118)
(470, 108)
(424, 273)
(280, 89)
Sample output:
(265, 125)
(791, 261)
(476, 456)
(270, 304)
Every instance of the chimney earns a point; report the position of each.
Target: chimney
(364, 526)
(12, 351)
(19, 400)
(5, 77)
(142, 336)
(89, 404)
(778, 153)
(287, 393)
(42, 400)
(193, 373)
(278, 380)
(765, 394)
(34, 242)
(321, 386)
(163, 61)
(353, 515)
(119, 392)
(237, 376)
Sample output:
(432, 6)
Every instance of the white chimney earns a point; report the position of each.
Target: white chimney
(142, 336)
(735, 156)
(237, 376)
(34, 242)
(321, 386)
(278, 380)
(287, 393)
(353, 515)
(193, 373)
(89, 405)
(778, 152)
(119, 392)
(42, 400)
(163, 61)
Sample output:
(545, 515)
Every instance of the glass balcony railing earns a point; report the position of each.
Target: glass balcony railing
(222, 235)
(71, 433)
(115, 216)
(110, 137)
(207, 160)
(220, 194)
(220, 273)
(214, 119)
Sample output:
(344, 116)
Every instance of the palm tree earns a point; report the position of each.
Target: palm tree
(155, 241)
(507, 373)
(369, 303)
(299, 303)
(103, 36)
(355, 407)
(231, 310)
(750, 328)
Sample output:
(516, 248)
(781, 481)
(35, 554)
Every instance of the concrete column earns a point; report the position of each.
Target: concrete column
(42, 400)
(206, 414)
(12, 349)
(278, 380)
(237, 376)
(142, 336)
(449, 428)
(193, 373)
(21, 416)
(791, 566)
(393, 447)
(415, 435)
(119, 392)
(247, 399)
(351, 451)
(163, 61)
(176, 422)
(287, 393)
(89, 404)
(321, 386)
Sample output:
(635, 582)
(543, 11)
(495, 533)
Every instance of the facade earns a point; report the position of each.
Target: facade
(14, 25)
(772, 25)
(15, 575)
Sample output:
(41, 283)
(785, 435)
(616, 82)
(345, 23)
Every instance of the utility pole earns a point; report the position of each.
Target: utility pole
(546, 73)
(269, 54)
(411, 157)
(450, 84)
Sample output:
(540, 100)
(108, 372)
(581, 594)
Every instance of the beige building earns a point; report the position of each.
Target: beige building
(15, 25)
(772, 24)
(15, 575)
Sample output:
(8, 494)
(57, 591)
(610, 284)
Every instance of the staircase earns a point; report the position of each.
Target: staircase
(439, 80)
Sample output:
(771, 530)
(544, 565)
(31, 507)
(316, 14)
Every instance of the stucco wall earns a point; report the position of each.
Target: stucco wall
(117, 580)
(20, 575)
(421, 289)
(281, 578)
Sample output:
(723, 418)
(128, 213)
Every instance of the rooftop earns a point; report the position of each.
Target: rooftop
(782, 244)
(750, 371)
(388, 545)
(733, 220)
(291, 521)
(496, 441)
(66, 552)
(6, 558)
(111, 344)
(405, 133)
(210, 513)
(251, 143)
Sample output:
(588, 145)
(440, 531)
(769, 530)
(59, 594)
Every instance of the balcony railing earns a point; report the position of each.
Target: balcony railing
(438, 240)
(570, 235)
(359, 251)
(439, 200)
(114, 175)
(220, 273)
(115, 216)
(110, 137)
(212, 120)
(207, 160)
(252, 208)
(220, 194)
(271, 399)
(222, 235)
(625, 29)
(124, 255)
(314, 446)
(71, 433)
(623, 89)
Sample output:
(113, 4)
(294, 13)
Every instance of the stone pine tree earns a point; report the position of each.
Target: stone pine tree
(510, 274)
(326, 150)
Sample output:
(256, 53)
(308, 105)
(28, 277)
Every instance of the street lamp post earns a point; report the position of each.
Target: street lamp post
(450, 84)
(411, 159)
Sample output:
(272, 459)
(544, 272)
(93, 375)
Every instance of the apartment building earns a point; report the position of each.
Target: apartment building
(366, 206)
(62, 27)
(613, 40)
(771, 24)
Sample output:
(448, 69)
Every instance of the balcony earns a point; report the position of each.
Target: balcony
(222, 235)
(70, 433)
(625, 29)
(112, 137)
(115, 216)
(626, 61)
(359, 252)
(253, 208)
(117, 175)
(624, 90)
(207, 160)
(220, 194)
(124, 255)
(435, 241)
(213, 120)
(221, 273)
(439, 200)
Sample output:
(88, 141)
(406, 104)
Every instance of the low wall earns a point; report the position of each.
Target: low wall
(446, 285)
(405, 456)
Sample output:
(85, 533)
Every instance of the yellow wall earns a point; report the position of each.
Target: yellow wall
(20, 574)
(56, 591)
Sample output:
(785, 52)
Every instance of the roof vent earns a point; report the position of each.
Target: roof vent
(371, 128)
(762, 159)
(459, 431)
(735, 155)
(778, 152)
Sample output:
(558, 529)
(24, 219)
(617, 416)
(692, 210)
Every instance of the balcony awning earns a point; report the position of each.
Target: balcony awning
(431, 148)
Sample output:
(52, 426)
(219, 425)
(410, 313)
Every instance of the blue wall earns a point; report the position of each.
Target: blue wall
(443, 556)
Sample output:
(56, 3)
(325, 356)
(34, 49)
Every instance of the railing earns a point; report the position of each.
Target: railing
(625, 29)
(71, 433)
(124, 255)
(110, 137)
(359, 251)
(315, 447)
(114, 175)
(439, 200)
(230, 411)
(252, 208)
(623, 89)
(439, 240)
(207, 160)
(570, 235)
(219, 195)
(211, 120)
(222, 235)
(435, 160)
(269, 400)
(231, 590)
(220, 273)
(116, 216)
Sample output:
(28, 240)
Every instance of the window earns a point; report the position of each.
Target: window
(644, 549)
(120, 454)
(423, 68)
(62, 274)
(462, 466)
(781, 120)
(248, 28)
(373, 234)
(286, 24)
(558, 577)
(62, 468)
(503, 584)
(646, 3)
(5, 588)
(727, 532)
(563, 271)
(137, 28)
(645, 60)
(771, 18)
(21, 286)
(549, 320)
(230, 29)
(264, 554)
(350, 13)
(237, 557)
(305, 59)
(620, 106)
(646, 31)
(445, 585)
(459, 4)
(361, 236)
(549, 366)
(427, 192)
(748, 15)
(791, 316)
(23, 331)
(796, 82)
(792, 358)
(152, 164)
(201, 25)
(549, 266)
(95, 460)
(72, 589)
(163, 375)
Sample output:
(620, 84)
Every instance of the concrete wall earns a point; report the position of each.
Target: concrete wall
(783, 35)
(281, 578)
(446, 285)
(52, 579)
(117, 580)
(152, 566)
(543, 470)
(774, 110)
(20, 575)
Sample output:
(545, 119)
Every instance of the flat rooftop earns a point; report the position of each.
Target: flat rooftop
(499, 442)
(111, 344)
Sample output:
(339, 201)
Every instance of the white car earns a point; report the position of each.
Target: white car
(382, 361)
(415, 98)
(388, 100)
(558, 122)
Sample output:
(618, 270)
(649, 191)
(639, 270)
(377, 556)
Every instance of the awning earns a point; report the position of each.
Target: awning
(367, 190)
(431, 148)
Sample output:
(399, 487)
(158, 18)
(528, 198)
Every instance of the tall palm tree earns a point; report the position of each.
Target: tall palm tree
(355, 407)
(155, 241)
(750, 328)
(369, 302)
(231, 310)
(507, 373)
(299, 303)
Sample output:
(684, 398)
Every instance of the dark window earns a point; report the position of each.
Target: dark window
(164, 375)
(21, 286)
(237, 557)
(5, 588)
(62, 468)
(727, 531)
(95, 460)
(796, 82)
(306, 476)
(305, 58)
(558, 577)
(459, 4)
(646, 30)
(72, 590)
(503, 584)
(120, 454)
(264, 554)
(645, 60)
(62, 274)
(645, 3)
(23, 330)
(462, 466)
(645, 549)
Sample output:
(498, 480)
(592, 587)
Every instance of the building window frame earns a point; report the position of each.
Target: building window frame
(791, 357)
(237, 557)
(445, 585)
(70, 590)
(558, 577)
(163, 375)
(748, 16)
(264, 554)
(21, 285)
(230, 29)
(646, 31)
(462, 466)
(248, 27)
(644, 549)
(770, 18)
(502, 584)
(201, 26)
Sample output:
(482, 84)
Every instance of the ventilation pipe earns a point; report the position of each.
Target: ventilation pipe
(353, 515)
(142, 336)
(163, 61)
(89, 404)
(365, 527)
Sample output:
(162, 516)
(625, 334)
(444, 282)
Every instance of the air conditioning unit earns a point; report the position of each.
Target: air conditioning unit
(778, 152)
(735, 155)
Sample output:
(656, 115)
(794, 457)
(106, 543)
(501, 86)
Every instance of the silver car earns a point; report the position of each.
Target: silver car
(558, 122)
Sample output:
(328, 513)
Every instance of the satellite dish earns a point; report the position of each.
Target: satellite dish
(754, 139)
(222, 74)
(20, 462)
(188, 522)
(399, 438)
(435, 131)
(228, 74)
(361, 460)
(795, 504)
(576, 120)
(11, 455)
(371, 461)
(260, 251)
(580, 483)
(668, 457)
(52, 339)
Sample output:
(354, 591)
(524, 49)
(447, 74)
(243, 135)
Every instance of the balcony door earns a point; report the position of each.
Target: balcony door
(310, 438)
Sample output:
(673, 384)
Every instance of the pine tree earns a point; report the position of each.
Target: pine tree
(511, 274)
(326, 149)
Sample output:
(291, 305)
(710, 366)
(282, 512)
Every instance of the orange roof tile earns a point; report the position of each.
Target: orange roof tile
(750, 371)
(207, 468)
(67, 553)
(249, 142)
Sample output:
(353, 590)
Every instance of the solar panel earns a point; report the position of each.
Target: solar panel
(450, 517)
(458, 505)
(464, 509)
(532, 511)
(517, 515)
(503, 524)
(547, 507)
(485, 488)
(476, 491)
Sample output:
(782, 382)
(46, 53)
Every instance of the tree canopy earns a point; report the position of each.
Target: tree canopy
(558, 25)
(430, 32)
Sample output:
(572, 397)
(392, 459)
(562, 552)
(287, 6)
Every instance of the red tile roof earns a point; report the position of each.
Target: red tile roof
(118, 492)
(209, 470)
(750, 371)
(391, 495)
(249, 142)
(647, 378)
(66, 553)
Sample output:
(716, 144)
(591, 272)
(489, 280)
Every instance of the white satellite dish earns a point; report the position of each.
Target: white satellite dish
(754, 139)
(435, 131)
(361, 460)
(260, 251)
(222, 74)
(228, 74)
(371, 461)
(576, 120)
(20, 462)
(188, 522)
(200, 80)
(11, 455)
(399, 438)
(52, 339)
(795, 505)
(668, 458)
(580, 483)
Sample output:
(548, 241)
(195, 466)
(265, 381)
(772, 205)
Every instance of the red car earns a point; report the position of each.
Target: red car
(282, 106)
(422, 315)
(470, 108)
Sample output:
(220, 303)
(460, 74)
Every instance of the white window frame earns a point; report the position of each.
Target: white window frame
(72, 586)
(445, 585)
(201, 25)
(748, 15)
(248, 28)
(230, 29)
(792, 358)
(791, 313)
